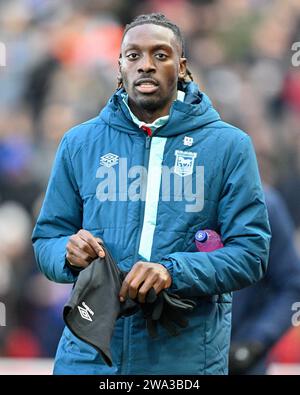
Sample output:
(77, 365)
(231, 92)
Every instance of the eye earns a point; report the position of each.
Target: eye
(161, 56)
(132, 56)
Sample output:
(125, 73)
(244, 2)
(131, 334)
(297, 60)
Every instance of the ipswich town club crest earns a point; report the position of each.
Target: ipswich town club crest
(184, 163)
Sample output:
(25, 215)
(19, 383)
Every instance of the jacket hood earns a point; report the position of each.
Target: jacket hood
(195, 112)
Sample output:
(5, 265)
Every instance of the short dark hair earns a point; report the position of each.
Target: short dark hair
(160, 20)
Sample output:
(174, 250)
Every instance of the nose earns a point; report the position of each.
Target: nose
(146, 65)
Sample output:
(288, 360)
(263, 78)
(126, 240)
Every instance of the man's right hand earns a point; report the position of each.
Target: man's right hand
(83, 248)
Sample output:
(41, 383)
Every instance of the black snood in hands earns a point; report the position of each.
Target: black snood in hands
(94, 304)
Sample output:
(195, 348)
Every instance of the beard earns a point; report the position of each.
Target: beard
(150, 104)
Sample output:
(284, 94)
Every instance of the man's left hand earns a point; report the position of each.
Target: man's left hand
(141, 278)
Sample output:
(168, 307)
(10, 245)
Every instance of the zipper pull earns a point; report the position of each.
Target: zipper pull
(149, 134)
(148, 142)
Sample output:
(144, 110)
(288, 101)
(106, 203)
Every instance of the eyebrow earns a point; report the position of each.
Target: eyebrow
(154, 47)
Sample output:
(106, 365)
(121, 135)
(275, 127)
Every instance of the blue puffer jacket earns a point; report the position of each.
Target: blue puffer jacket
(98, 184)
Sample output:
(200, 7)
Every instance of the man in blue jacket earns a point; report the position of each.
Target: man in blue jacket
(263, 312)
(155, 166)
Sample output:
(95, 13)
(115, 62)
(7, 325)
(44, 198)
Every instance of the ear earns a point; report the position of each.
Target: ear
(182, 68)
(120, 67)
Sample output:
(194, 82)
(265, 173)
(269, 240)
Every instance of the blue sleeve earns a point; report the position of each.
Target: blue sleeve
(60, 217)
(272, 317)
(244, 227)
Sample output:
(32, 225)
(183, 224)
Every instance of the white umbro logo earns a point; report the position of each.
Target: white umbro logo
(188, 141)
(85, 312)
(109, 160)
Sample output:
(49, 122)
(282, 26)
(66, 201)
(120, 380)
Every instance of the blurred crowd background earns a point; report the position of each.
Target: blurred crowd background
(61, 67)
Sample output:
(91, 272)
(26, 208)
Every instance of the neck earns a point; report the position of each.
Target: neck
(147, 116)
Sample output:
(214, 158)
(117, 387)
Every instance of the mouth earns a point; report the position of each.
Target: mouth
(146, 85)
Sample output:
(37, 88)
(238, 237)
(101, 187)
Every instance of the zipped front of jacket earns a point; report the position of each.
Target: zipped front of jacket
(128, 322)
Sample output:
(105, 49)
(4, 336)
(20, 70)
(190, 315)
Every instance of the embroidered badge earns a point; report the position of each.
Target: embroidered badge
(184, 163)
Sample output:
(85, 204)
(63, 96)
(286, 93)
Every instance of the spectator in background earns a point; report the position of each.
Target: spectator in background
(289, 183)
(15, 226)
(262, 313)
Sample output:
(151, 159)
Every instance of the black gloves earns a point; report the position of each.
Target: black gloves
(94, 305)
(243, 356)
(166, 309)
